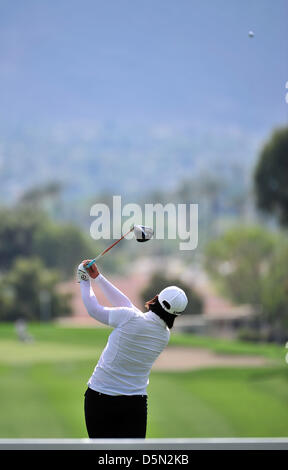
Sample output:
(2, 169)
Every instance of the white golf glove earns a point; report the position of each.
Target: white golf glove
(82, 274)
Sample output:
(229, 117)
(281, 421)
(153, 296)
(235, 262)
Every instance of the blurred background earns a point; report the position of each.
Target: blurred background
(157, 102)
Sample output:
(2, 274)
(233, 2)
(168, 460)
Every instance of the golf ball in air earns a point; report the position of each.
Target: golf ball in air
(251, 34)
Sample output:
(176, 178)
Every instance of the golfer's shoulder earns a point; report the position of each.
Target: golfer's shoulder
(120, 315)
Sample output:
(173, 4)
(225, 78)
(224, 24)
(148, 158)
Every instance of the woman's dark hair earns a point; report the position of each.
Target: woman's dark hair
(155, 307)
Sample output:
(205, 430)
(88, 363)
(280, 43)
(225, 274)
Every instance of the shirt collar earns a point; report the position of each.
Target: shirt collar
(156, 318)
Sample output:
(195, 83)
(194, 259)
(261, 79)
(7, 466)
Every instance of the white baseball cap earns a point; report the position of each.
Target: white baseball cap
(173, 300)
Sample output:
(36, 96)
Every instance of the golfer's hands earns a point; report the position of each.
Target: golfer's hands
(83, 273)
(93, 270)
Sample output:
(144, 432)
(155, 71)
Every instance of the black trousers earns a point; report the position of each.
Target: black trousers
(119, 416)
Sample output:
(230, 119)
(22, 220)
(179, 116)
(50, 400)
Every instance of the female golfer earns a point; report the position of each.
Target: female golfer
(116, 398)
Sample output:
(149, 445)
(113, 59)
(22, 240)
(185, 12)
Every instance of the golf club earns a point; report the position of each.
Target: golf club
(141, 233)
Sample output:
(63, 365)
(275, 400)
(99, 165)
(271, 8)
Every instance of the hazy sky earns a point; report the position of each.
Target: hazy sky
(158, 61)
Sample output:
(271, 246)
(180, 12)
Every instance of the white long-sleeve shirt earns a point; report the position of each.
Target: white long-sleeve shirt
(133, 346)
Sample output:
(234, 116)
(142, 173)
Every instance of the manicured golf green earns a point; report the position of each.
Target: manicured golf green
(42, 385)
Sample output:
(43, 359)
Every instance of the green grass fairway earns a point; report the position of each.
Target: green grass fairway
(42, 385)
(219, 403)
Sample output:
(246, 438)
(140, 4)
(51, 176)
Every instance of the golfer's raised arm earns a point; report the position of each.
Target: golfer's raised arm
(112, 316)
(91, 303)
(112, 293)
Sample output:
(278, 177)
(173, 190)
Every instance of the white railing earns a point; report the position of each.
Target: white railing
(146, 444)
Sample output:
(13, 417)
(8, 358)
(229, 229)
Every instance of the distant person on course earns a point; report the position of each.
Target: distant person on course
(116, 398)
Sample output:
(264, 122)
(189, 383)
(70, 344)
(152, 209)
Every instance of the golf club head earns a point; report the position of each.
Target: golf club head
(142, 233)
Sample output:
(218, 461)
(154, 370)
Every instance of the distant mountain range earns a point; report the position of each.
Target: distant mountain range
(88, 158)
(128, 97)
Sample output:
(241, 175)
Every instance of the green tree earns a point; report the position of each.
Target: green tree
(26, 231)
(274, 295)
(238, 260)
(62, 247)
(249, 265)
(30, 291)
(17, 233)
(270, 177)
(159, 281)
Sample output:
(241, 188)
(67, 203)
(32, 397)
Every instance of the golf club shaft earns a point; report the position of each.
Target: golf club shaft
(107, 249)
